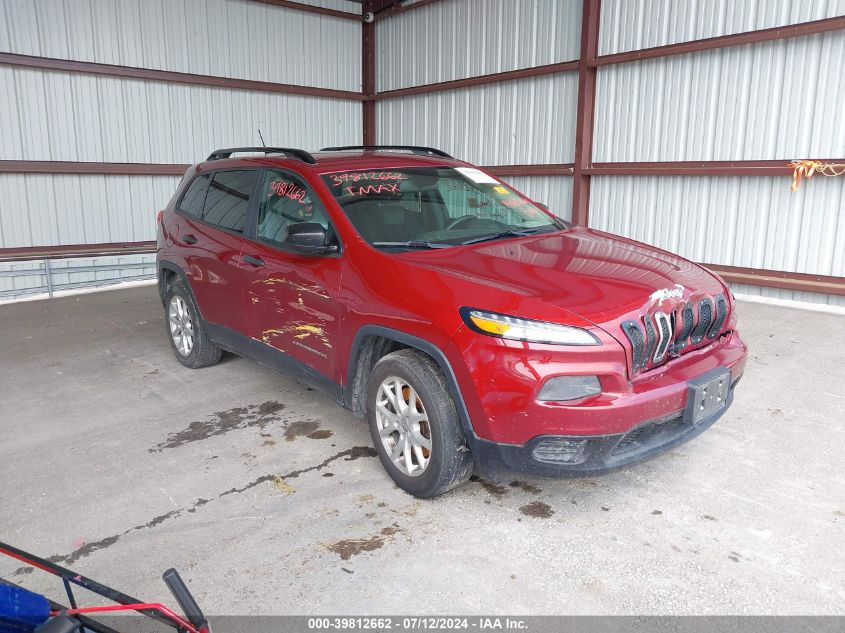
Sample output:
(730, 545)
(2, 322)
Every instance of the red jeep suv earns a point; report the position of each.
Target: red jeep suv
(467, 323)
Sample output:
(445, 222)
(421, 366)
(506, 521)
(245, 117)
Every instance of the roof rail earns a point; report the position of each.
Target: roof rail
(301, 154)
(425, 151)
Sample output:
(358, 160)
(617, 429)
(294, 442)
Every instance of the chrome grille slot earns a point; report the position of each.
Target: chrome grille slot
(721, 315)
(650, 339)
(635, 336)
(664, 329)
(705, 318)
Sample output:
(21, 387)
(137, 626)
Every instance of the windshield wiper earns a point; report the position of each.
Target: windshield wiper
(411, 244)
(500, 235)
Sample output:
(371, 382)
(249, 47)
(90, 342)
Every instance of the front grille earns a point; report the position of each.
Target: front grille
(651, 337)
(652, 434)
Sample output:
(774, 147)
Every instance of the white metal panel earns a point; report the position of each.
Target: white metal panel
(349, 6)
(515, 122)
(454, 39)
(766, 101)
(46, 210)
(57, 116)
(634, 24)
(553, 191)
(230, 38)
(754, 222)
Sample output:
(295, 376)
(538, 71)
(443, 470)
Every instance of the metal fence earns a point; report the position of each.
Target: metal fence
(50, 276)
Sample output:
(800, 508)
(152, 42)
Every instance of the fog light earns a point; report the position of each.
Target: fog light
(561, 450)
(562, 388)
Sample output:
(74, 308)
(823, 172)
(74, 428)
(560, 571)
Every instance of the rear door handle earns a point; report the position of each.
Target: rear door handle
(252, 261)
(189, 239)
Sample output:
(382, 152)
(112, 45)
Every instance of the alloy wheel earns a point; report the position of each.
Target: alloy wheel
(403, 426)
(181, 325)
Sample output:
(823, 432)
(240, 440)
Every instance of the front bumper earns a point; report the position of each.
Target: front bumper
(601, 453)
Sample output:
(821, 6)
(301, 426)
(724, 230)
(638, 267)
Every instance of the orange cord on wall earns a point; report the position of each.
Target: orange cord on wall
(806, 168)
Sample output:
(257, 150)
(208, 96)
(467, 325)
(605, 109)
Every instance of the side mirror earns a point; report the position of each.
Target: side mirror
(309, 237)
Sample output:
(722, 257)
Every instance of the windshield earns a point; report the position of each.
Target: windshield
(435, 207)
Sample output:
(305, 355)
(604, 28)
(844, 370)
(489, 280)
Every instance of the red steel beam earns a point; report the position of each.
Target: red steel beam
(590, 16)
(368, 75)
(508, 75)
(722, 41)
(780, 279)
(175, 169)
(75, 250)
(148, 74)
(289, 4)
(92, 168)
(697, 168)
(691, 168)
(561, 169)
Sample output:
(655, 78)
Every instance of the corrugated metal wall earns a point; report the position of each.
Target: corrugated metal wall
(774, 100)
(781, 99)
(456, 39)
(56, 116)
(60, 116)
(525, 121)
(767, 101)
(227, 38)
(754, 222)
(510, 123)
(634, 24)
(553, 191)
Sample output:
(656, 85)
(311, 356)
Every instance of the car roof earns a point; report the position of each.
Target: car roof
(329, 162)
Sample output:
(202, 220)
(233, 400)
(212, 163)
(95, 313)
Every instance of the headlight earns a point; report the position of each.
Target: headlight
(517, 329)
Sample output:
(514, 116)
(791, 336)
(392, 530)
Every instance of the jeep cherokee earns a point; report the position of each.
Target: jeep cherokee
(471, 326)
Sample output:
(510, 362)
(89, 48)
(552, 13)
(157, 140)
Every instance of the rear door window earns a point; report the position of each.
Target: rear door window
(227, 200)
(194, 197)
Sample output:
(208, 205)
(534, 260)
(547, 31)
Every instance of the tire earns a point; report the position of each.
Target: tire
(200, 352)
(447, 462)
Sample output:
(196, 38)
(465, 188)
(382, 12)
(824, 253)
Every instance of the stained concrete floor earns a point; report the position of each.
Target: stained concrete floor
(119, 462)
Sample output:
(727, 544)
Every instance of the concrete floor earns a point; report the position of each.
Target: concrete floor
(119, 462)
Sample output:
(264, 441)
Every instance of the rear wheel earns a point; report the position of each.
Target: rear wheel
(187, 332)
(415, 425)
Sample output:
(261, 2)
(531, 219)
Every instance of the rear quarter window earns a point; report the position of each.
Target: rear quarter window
(227, 200)
(192, 200)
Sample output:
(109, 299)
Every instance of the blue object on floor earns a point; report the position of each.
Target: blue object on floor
(21, 610)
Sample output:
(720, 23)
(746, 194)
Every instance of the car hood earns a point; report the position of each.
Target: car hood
(597, 276)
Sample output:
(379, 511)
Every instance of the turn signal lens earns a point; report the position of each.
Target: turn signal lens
(517, 329)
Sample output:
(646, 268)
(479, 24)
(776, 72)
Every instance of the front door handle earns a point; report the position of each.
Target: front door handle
(252, 260)
(189, 239)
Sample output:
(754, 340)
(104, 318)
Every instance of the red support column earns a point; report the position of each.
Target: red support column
(586, 106)
(368, 74)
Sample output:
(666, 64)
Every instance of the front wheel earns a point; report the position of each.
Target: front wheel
(415, 425)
